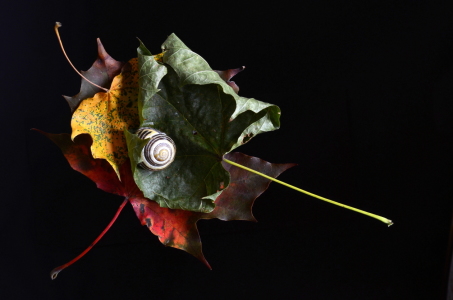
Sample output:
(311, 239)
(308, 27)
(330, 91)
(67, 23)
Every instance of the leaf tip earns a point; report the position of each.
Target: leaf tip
(205, 262)
(39, 130)
(142, 49)
(101, 50)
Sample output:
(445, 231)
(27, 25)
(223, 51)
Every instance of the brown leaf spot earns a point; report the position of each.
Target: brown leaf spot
(247, 138)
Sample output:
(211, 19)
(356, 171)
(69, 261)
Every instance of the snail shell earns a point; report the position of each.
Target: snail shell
(160, 150)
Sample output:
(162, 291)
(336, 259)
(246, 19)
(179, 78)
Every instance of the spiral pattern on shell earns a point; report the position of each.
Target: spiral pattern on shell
(160, 150)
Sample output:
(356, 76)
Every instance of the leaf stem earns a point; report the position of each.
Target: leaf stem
(382, 219)
(58, 25)
(54, 272)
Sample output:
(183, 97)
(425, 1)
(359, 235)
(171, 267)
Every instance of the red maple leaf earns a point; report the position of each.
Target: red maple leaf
(174, 227)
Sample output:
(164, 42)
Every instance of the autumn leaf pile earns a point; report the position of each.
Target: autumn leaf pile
(178, 93)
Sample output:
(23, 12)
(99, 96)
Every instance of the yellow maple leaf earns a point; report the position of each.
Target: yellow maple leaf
(105, 117)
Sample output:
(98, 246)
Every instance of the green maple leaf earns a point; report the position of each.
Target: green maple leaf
(192, 104)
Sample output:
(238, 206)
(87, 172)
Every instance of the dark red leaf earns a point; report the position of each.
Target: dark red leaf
(175, 228)
(102, 72)
(236, 202)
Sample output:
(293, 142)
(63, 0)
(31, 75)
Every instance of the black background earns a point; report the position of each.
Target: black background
(366, 97)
